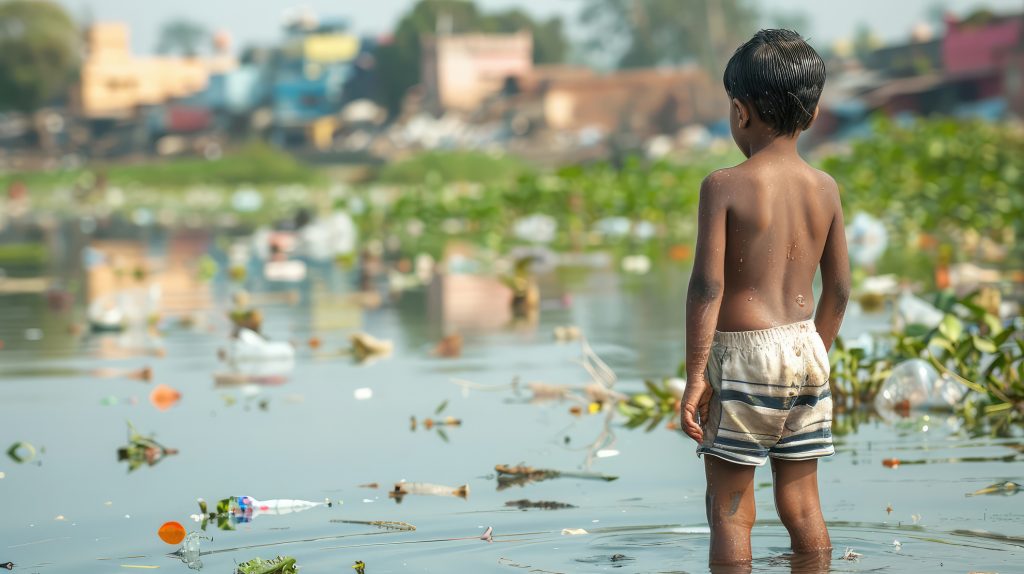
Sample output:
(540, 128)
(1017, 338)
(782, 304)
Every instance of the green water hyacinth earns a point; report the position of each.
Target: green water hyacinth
(279, 565)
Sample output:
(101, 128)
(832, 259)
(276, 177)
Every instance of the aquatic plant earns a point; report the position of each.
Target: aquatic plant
(970, 345)
(279, 565)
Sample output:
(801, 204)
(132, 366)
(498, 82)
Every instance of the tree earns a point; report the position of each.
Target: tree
(549, 42)
(399, 61)
(183, 37)
(38, 53)
(796, 20)
(646, 33)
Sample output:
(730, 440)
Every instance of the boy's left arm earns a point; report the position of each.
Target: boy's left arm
(703, 301)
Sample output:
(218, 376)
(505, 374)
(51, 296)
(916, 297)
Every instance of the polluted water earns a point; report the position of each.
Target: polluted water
(528, 466)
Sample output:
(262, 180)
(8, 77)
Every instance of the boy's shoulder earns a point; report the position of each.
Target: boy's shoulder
(746, 175)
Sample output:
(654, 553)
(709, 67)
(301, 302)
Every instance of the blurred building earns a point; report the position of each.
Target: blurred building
(311, 71)
(644, 102)
(460, 71)
(114, 83)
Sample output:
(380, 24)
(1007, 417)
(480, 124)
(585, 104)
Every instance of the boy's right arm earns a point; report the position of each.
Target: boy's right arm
(835, 278)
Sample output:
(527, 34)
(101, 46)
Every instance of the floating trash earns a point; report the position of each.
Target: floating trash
(525, 504)
(1006, 488)
(488, 535)
(404, 488)
(449, 347)
(521, 475)
(22, 452)
(573, 532)
(142, 450)
(359, 567)
(363, 393)
(249, 346)
(567, 333)
(385, 524)
(916, 384)
(164, 397)
(366, 346)
(171, 532)
(189, 552)
(849, 554)
(636, 264)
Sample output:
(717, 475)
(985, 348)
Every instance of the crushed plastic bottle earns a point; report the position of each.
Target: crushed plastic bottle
(915, 384)
(189, 551)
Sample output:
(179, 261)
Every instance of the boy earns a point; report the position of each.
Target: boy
(757, 365)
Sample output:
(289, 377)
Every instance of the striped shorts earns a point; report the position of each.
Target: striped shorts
(770, 396)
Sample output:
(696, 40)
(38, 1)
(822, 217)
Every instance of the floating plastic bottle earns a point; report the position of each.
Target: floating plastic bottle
(915, 384)
(246, 508)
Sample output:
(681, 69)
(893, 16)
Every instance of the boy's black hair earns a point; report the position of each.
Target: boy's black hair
(780, 75)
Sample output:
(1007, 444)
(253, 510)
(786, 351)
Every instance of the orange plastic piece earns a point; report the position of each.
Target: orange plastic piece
(164, 397)
(171, 532)
(890, 462)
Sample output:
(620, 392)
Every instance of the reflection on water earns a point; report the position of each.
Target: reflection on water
(320, 425)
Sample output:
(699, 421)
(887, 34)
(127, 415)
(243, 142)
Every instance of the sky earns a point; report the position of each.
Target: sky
(258, 21)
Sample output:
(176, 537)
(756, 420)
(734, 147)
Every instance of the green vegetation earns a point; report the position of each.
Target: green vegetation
(38, 53)
(971, 345)
(941, 179)
(255, 163)
(424, 216)
(23, 254)
(453, 167)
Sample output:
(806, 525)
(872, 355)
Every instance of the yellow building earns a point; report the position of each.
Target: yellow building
(114, 81)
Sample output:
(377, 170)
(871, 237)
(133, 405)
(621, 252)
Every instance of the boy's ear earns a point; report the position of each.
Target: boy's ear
(814, 117)
(742, 113)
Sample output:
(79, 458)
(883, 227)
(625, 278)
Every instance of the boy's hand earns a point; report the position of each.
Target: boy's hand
(696, 399)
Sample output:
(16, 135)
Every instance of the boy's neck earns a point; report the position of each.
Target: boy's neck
(774, 145)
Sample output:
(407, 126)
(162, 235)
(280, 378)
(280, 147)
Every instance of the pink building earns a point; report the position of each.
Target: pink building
(973, 47)
(460, 71)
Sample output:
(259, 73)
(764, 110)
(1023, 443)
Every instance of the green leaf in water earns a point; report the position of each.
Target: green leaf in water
(951, 328)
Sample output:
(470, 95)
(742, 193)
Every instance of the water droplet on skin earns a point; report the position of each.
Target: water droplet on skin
(800, 300)
(741, 260)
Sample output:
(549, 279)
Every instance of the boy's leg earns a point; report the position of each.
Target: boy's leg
(796, 500)
(730, 508)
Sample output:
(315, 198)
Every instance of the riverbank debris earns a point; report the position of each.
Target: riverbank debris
(488, 535)
(449, 347)
(1007, 488)
(524, 504)
(574, 532)
(279, 565)
(142, 450)
(521, 475)
(7, 565)
(359, 567)
(365, 346)
(405, 488)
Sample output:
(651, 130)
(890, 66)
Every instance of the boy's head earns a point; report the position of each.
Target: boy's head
(778, 76)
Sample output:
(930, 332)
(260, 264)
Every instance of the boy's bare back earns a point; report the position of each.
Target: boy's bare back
(779, 213)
